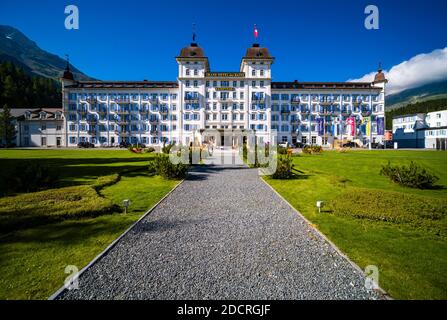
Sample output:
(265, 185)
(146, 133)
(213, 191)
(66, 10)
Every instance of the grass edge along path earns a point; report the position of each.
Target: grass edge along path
(411, 261)
(33, 259)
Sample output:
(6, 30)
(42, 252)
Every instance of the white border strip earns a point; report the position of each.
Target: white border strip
(309, 223)
(110, 246)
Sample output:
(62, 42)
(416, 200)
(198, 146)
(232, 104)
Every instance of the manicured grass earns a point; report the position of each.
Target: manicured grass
(33, 257)
(409, 248)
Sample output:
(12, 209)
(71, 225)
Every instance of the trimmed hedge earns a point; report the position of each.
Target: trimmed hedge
(395, 207)
(37, 208)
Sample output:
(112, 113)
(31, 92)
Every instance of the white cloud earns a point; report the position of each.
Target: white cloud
(419, 70)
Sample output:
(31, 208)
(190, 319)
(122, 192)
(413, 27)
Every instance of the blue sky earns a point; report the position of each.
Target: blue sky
(311, 40)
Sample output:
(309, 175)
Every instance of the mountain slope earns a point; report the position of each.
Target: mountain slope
(23, 52)
(432, 91)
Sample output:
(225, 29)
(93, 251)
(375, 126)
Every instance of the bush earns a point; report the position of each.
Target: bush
(150, 150)
(284, 167)
(282, 150)
(314, 149)
(31, 176)
(163, 166)
(166, 149)
(413, 176)
(418, 211)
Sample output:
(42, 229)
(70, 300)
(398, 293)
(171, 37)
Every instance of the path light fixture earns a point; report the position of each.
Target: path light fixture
(320, 205)
(126, 204)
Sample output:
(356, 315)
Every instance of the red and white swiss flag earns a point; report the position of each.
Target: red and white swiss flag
(255, 32)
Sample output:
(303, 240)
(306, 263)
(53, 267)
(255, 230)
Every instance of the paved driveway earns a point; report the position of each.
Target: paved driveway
(222, 234)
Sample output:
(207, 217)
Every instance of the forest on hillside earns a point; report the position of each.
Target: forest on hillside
(20, 90)
(419, 107)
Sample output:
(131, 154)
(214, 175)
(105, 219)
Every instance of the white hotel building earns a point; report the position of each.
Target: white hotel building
(153, 112)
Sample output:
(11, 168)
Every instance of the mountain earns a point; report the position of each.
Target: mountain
(23, 52)
(431, 91)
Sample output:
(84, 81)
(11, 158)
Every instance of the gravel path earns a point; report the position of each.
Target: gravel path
(222, 234)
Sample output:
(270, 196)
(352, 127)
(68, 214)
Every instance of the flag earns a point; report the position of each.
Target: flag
(380, 126)
(368, 126)
(320, 126)
(255, 32)
(351, 125)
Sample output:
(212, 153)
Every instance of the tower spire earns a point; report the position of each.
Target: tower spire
(67, 58)
(194, 36)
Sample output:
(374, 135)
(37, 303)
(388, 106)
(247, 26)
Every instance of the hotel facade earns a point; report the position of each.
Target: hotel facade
(107, 113)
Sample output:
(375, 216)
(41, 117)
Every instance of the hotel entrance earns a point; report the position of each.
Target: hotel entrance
(224, 137)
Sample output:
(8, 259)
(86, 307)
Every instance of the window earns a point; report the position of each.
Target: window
(234, 83)
(58, 128)
(187, 72)
(43, 141)
(253, 73)
(314, 140)
(261, 84)
(242, 83)
(196, 72)
(253, 83)
(44, 127)
(72, 140)
(196, 83)
(187, 84)
(262, 72)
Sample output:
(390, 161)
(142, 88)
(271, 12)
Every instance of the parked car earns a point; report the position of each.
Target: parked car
(388, 144)
(124, 144)
(351, 144)
(299, 145)
(85, 144)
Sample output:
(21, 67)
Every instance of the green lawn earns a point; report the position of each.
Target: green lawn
(33, 257)
(412, 257)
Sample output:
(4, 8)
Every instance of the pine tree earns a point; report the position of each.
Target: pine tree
(7, 130)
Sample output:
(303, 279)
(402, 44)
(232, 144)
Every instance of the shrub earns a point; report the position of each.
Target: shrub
(418, 211)
(166, 149)
(413, 176)
(282, 150)
(313, 149)
(31, 176)
(162, 165)
(284, 167)
(150, 150)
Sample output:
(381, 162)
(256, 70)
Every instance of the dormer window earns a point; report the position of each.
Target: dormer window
(27, 115)
(43, 115)
(58, 116)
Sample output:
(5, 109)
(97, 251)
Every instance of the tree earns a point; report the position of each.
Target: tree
(7, 130)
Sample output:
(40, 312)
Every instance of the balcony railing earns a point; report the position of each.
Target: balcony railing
(295, 101)
(191, 100)
(121, 111)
